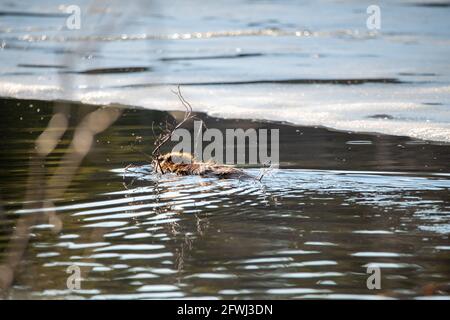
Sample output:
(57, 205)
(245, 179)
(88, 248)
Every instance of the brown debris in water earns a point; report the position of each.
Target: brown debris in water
(185, 164)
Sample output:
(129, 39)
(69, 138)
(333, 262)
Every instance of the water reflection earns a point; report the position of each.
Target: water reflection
(224, 238)
(298, 234)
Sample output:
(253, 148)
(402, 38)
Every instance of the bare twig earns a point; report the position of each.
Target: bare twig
(165, 137)
(264, 171)
(168, 130)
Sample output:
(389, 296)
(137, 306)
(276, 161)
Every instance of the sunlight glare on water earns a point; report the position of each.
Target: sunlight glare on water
(364, 119)
(306, 236)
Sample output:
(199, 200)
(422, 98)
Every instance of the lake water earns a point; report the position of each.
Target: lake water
(306, 230)
(243, 59)
(364, 119)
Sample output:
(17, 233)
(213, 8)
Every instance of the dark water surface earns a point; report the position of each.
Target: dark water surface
(307, 62)
(340, 202)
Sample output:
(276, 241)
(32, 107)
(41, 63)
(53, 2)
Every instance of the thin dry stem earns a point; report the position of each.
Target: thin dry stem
(169, 129)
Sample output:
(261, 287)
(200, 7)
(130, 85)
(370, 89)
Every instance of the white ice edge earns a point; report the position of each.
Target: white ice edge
(348, 108)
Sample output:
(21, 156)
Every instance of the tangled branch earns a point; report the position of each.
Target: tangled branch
(168, 130)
